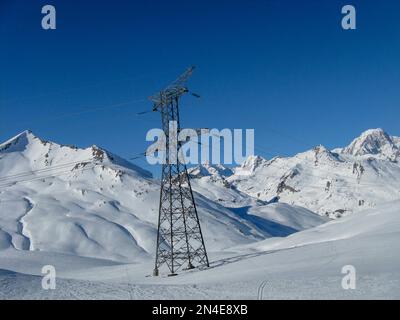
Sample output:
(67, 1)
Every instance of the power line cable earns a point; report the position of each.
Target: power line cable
(43, 170)
(73, 89)
(9, 184)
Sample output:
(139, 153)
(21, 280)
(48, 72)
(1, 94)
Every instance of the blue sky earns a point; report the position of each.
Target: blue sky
(285, 68)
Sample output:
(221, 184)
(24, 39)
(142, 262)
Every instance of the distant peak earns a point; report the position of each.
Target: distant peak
(252, 161)
(100, 154)
(250, 165)
(320, 149)
(18, 142)
(25, 133)
(207, 169)
(372, 141)
(378, 132)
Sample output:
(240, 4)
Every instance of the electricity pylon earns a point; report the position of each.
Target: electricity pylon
(180, 241)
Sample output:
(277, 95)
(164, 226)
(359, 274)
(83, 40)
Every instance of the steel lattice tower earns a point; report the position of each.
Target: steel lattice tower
(180, 242)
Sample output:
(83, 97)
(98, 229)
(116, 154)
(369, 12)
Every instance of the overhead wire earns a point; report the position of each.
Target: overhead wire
(73, 89)
(43, 170)
(36, 178)
(138, 156)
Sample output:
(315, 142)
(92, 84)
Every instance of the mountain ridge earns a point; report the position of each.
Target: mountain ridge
(330, 182)
(91, 203)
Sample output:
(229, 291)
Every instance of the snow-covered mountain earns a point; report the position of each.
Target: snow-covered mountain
(332, 183)
(92, 203)
(374, 142)
(396, 141)
(92, 215)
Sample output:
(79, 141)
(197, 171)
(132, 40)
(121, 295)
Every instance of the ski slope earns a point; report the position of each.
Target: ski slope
(307, 264)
